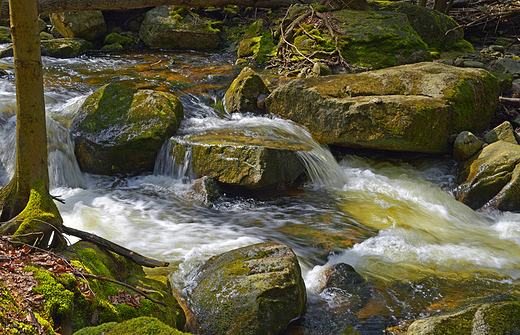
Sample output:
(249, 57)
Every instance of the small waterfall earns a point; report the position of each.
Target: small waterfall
(167, 165)
(321, 166)
(63, 166)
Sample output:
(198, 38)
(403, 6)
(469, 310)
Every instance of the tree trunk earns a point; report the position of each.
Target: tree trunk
(27, 207)
(55, 6)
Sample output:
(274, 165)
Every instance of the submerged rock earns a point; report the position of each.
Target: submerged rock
(162, 30)
(87, 25)
(417, 106)
(239, 160)
(492, 178)
(119, 130)
(486, 319)
(242, 96)
(252, 290)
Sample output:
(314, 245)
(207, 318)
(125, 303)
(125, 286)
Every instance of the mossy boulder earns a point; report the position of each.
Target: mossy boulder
(118, 129)
(436, 29)
(87, 25)
(244, 92)
(491, 178)
(115, 42)
(252, 290)
(108, 301)
(162, 30)
(496, 318)
(65, 47)
(236, 159)
(375, 39)
(415, 107)
(139, 326)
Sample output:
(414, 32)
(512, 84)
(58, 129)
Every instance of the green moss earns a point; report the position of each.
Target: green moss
(97, 330)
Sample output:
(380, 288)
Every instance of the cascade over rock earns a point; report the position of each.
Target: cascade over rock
(162, 29)
(88, 25)
(492, 178)
(240, 160)
(119, 129)
(413, 107)
(254, 290)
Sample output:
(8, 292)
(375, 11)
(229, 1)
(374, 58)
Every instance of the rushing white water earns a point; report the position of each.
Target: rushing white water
(395, 221)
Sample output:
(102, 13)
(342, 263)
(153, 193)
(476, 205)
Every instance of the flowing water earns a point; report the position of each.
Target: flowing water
(394, 220)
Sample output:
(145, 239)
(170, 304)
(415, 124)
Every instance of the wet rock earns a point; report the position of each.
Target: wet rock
(124, 41)
(242, 95)
(87, 25)
(236, 159)
(506, 65)
(252, 290)
(502, 132)
(422, 106)
(119, 130)
(485, 319)
(345, 277)
(466, 145)
(162, 30)
(491, 178)
(206, 190)
(65, 47)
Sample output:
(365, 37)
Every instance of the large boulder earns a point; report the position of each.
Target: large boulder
(65, 47)
(167, 29)
(244, 93)
(437, 30)
(414, 107)
(370, 39)
(119, 130)
(239, 160)
(495, 318)
(136, 326)
(254, 290)
(492, 178)
(88, 25)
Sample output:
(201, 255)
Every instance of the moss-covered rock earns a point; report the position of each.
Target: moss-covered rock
(377, 39)
(414, 107)
(119, 129)
(242, 96)
(492, 178)
(9, 308)
(139, 326)
(436, 29)
(252, 290)
(496, 318)
(101, 305)
(180, 30)
(257, 43)
(238, 159)
(65, 47)
(87, 25)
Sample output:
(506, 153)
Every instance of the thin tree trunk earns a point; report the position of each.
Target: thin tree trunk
(55, 6)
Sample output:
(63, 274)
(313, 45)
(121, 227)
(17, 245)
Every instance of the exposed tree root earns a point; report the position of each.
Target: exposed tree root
(290, 57)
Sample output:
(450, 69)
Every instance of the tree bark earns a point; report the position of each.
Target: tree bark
(56, 6)
(27, 209)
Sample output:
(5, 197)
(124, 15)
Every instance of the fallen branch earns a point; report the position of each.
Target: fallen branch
(135, 289)
(134, 256)
(514, 102)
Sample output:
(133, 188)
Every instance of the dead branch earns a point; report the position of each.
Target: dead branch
(135, 289)
(514, 102)
(134, 256)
